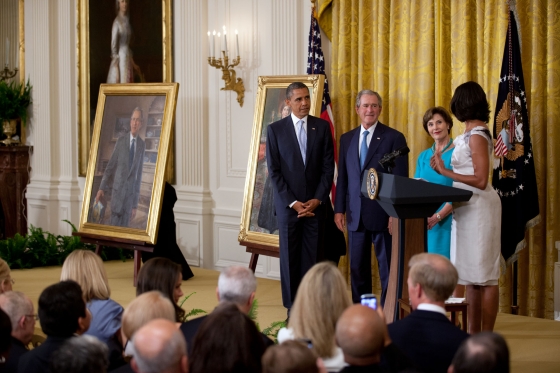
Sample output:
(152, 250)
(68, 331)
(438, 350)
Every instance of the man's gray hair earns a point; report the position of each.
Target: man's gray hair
(437, 275)
(15, 304)
(368, 92)
(83, 353)
(169, 356)
(138, 108)
(236, 284)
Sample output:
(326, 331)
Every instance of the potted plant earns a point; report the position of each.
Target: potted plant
(14, 101)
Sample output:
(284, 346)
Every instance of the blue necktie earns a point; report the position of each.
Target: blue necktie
(363, 149)
(131, 154)
(302, 139)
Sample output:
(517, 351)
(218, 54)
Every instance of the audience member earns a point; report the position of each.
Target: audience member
(81, 354)
(292, 357)
(165, 276)
(62, 313)
(159, 348)
(86, 268)
(361, 333)
(20, 310)
(227, 341)
(236, 284)
(320, 300)
(6, 280)
(5, 340)
(484, 352)
(427, 336)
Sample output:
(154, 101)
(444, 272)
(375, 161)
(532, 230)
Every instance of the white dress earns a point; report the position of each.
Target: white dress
(121, 70)
(476, 225)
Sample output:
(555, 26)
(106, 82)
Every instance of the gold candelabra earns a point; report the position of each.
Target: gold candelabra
(229, 76)
(7, 73)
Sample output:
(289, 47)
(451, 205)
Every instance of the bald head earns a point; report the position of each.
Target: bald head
(159, 347)
(360, 334)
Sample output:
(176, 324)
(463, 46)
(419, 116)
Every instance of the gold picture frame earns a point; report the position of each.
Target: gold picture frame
(131, 177)
(151, 36)
(271, 94)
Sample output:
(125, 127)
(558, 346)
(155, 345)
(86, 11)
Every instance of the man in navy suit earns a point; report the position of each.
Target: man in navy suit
(299, 152)
(427, 336)
(366, 221)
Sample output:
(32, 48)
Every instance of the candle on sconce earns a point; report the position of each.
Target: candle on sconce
(209, 46)
(221, 43)
(237, 42)
(213, 45)
(225, 40)
(17, 59)
(7, 51)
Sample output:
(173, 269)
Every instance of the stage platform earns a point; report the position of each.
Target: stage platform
(534, 343)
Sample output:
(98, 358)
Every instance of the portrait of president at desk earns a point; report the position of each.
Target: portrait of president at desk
(123, 174)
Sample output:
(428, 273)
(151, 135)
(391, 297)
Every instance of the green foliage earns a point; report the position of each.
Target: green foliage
(15, 98)
(194, 311)
(270, 331)
(40, 248)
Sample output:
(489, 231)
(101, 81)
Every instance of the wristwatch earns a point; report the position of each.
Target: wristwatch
(438, 216)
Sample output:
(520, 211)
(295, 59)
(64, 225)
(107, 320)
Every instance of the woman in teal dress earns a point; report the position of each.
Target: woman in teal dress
(437, 122)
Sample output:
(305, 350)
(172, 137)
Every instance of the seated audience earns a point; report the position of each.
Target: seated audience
(159, 348)
(86, 268)
(20, 310)
(427, 336)
(5, 340)
(163, 275)
(291, 357)
(361, 333)
(236, 284)
(227, 341)
(83, 354)
(62, 313)
(6, 280)
(484, 352)
(320, 300)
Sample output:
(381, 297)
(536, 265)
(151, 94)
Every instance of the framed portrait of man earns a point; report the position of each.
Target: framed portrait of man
(120, 42)
(130, 149)
(258, 218)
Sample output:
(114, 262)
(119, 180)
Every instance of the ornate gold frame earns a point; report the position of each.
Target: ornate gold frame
(83, 48)
(265, 83)
(149, 235)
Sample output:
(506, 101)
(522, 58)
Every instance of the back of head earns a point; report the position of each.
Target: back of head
(16, 305)
(159, 347)
(144, 308)
(236, 284)
(84, 354)
(86, 268)
(435, 273)
(160, 274)
(360, 334)
(227, 341)
(320, 300)
(484, 352)
(289, 357)
(60, 307)
(5, 275)
(469, 103)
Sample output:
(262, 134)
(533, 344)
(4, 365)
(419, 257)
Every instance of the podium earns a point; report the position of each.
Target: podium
(411, 202)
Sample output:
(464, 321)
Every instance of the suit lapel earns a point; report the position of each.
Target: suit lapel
(137, 153)
(353, 153)
(376, 139)
(311, 136)
(290, 132)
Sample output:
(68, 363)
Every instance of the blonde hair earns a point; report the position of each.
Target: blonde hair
(86, 268)
(146, 307)
(320, 300)
(4, 272)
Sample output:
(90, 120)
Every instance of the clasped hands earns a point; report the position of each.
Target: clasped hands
(305, 209)
(437, 163)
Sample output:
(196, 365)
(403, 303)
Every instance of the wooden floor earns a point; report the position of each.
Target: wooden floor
(534, 343)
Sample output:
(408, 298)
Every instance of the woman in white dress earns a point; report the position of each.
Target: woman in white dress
(122, 65)
(476, 225)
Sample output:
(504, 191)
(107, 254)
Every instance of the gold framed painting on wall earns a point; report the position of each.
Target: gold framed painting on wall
(120, 41)
(258, 219)
(127, 163)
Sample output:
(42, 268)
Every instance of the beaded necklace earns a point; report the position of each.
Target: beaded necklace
(444, 149)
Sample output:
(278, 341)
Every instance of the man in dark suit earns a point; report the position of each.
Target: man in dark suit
(236, 284)
(366, 221)
(20, 310)
(124, 174)
(299, 152)
(427, 336)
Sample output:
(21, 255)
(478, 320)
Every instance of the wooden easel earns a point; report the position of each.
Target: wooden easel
(258, 249)
(122, 243)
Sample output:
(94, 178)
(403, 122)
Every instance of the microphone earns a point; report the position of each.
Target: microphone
(388, 160)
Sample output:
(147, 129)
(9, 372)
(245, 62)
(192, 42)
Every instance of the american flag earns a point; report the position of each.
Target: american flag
(316, 65)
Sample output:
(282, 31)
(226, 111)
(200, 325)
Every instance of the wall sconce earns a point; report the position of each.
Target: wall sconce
(228, 73)
(7, 73)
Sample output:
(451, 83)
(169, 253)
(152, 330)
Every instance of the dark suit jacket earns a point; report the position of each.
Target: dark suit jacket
(349, 198)
(292, 179)
(38, 359)
(190, 328)
(428, 338)
(17, 350)
(124, 180)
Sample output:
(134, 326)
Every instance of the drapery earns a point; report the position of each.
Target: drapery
(414, 53)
